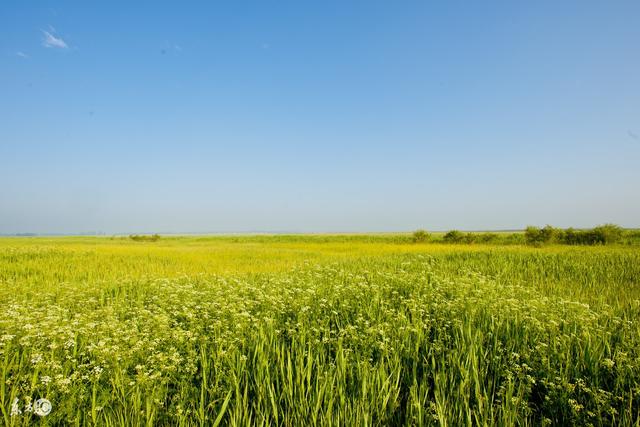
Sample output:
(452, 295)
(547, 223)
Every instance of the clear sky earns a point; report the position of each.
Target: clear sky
(318, 116)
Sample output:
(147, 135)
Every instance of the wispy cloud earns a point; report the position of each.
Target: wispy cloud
(51, 40)
(22, 55)
(168, 47)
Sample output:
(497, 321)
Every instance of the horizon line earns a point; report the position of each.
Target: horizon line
(266, 232)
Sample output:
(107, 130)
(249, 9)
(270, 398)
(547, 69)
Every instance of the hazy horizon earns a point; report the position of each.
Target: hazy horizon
(330, 117)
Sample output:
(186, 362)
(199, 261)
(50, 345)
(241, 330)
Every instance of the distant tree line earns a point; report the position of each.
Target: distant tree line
(455, 236)
(144, 237)
(601, 235)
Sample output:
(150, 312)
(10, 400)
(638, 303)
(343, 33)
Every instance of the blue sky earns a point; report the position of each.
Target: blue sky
(318, 116)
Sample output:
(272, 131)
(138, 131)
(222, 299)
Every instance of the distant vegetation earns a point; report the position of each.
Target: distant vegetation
(606, 234)
(600, 235)
(144, 238)
(455, 236)
(421, 236)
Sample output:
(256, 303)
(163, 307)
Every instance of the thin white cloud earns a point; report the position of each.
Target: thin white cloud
(22, 55)
(50, 40)
(169, 47)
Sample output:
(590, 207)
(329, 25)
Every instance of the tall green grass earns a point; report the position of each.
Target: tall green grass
(318, 333)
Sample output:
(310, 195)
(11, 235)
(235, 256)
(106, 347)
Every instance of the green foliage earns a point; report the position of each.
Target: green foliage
(631, 237)
(609, 233)
(421, 236)
(600, 235)
(511, 239)
(486, 237)
(144, 238)
(550, 234)
(453, 236)
(539, 236)
(583, 237)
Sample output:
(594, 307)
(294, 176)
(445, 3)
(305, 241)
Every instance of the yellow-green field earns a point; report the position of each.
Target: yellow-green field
(317, 330)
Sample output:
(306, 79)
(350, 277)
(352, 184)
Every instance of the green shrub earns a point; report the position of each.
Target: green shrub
(469, 238)
(145, 238)
(600, 235)
(632, 237)
(570, 236)
(453, 236)
(539, 236)
(486, 237)
(609, 233)
(533, 235)
(421, 236)
(550, 234)
(582, 237)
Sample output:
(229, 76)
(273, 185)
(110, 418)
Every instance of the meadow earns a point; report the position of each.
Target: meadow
(344, 330)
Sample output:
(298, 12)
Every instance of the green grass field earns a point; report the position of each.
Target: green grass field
(343, 330)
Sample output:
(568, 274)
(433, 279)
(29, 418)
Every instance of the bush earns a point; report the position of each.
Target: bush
(571, 236)
(453, 236)
(487, 237)
(581, 237)
(144, 238)
(632, 237)
(420, 236)
(469, 238)
(609, 233)
(600, 235)
(550, 234)
(539, 236)
(533, 235)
